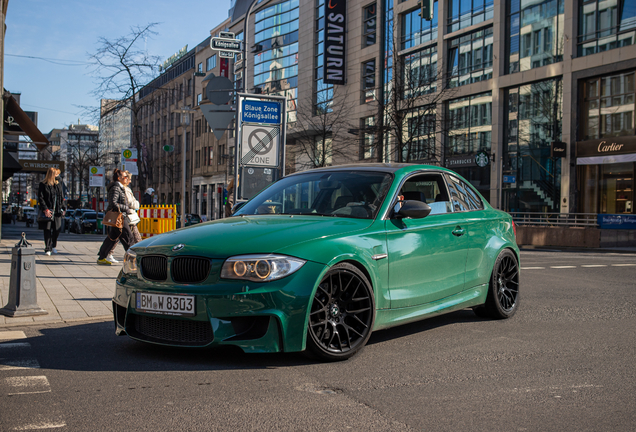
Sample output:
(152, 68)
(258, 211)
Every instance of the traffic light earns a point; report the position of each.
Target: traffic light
(426, 11)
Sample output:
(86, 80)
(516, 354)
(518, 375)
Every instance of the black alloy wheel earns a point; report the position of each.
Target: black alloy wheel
(342, 314)
(502, 300)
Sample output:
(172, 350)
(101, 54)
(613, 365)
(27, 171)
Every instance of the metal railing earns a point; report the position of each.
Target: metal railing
(566, 220)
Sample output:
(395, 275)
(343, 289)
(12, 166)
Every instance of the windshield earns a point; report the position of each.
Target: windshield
(353, 194)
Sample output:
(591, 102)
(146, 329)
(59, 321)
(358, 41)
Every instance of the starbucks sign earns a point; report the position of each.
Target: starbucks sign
(482, 159)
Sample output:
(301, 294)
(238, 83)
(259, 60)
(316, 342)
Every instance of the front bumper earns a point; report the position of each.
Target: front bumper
(257, 317)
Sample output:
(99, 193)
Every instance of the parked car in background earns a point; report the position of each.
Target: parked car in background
(88, 222)
(27, 213)
(322, 258)
(191, 219)
(75, 226)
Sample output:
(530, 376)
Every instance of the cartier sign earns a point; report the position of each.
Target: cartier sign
(606, 146)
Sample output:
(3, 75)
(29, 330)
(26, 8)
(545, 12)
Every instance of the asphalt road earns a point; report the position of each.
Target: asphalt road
(564, 362)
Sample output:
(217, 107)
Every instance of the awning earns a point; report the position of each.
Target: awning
(598, 160)
(12, 109)
(10, 165)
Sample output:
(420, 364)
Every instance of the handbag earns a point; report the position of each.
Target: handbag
(114, 218)
(44, 218)
(133, 218)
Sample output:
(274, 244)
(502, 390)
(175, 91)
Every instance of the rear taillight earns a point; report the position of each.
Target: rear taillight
(514, 228)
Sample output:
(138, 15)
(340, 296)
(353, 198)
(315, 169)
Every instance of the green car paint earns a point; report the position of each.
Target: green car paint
(417, 267)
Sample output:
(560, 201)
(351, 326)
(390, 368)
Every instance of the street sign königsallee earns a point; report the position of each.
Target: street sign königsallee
(260, 112)
(225, 44)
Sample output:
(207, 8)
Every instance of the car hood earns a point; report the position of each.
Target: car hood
(249, 234)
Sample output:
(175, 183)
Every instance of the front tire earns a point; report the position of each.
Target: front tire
(502, 300)
(342, 314)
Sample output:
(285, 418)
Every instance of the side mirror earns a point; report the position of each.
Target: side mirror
(413, 210)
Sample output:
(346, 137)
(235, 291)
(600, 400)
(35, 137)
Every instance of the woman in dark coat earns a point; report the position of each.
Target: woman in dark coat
(116, 201)
(51, 203)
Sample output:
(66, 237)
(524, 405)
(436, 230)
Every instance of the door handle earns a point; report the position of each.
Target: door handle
(459, 231)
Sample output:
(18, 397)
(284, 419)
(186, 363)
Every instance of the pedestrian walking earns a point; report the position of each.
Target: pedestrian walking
(51, 207)
(116, 202)
(147, 199)
(130, 215)
(229, 200)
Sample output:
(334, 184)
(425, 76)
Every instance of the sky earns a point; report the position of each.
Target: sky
(66, 32)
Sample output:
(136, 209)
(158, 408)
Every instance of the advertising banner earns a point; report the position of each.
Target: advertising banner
(335, 38)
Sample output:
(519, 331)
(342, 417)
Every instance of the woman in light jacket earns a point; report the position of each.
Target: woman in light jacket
(133, 207)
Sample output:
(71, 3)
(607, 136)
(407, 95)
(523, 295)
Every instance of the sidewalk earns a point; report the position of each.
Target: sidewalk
(70, 285)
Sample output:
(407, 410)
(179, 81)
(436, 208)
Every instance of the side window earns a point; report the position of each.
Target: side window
(428, 188)
(462, 195)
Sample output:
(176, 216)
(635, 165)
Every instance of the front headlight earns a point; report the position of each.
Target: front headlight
(260, 268)
(130, 262)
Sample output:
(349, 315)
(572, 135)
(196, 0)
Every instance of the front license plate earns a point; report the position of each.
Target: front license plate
(166, 304)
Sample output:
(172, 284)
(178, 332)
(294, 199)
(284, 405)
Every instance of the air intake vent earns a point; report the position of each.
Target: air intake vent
(154, 268)
(172, 331)
(190, 269)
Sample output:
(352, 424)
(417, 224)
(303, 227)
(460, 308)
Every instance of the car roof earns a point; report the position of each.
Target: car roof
(376, 167)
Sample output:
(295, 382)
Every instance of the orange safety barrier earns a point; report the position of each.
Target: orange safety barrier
(157, 220)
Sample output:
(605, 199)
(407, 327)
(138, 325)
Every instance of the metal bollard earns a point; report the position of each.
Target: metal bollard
(23, 297)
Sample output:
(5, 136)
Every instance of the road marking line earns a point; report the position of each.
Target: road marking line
(29, 384)
(41, 426)
(622, 265)
(594, 265)
(532, 268)
(25, 393)
(562, 267)
(12, 335)
(15, 345)
(19, 364)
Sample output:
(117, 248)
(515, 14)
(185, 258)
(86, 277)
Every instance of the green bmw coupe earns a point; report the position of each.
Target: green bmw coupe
(319, 260)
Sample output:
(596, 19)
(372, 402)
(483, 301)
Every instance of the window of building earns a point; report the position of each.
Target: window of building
(470, 58)
(605, 25)
(368, 81)
(416, 30)
(197, 159)
(165, 122)
(210, 63)
(199, 97)
(197, 128)
(276, 53)
(171, 121)
(464, 13)
(609, 107)
(469, 124)
(536, 34)
(419, 72)
(419, 142)
(533, 120)
(369, 25)
(180, 91)
(200, 67)
(177, 147)
(190, 87)
(323, 93)
(368, 146)
(222, 155)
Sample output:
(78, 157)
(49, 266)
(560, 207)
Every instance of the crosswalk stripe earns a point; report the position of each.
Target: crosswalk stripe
(594, 265)
(562, 267)
(19, 364)
(42, 425)
(623, 265)
(29, 384)
(10, 345)
(532, 268)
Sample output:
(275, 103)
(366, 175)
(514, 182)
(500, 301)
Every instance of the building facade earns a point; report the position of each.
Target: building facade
(532, 101)
(80, 149)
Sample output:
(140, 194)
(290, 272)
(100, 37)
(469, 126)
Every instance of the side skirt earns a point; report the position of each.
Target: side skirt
(386, 318)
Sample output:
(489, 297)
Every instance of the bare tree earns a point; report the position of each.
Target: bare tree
(122, 67)
(81, 156)
(407, 107)
(323, 132)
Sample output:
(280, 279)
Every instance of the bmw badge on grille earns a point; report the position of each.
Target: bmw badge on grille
(178, 247)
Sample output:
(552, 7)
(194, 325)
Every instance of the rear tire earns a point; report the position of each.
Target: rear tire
(342, 314)
(502, 300)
